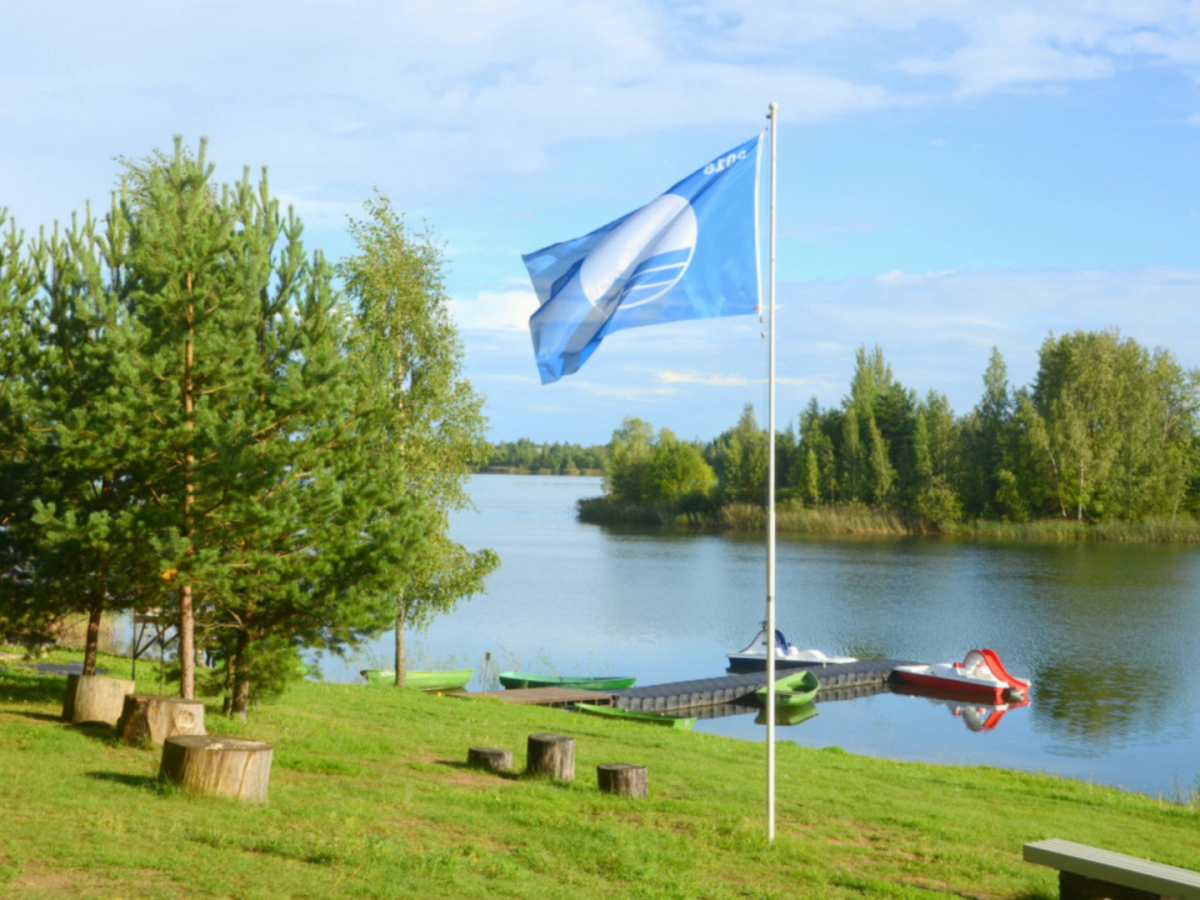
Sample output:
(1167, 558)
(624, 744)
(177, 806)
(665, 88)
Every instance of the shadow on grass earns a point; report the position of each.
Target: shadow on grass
(99, 731)
(40, 717)
(145, 782)
(26, 687)
(480, 769)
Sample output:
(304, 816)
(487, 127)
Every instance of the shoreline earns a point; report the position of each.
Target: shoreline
(861, 521)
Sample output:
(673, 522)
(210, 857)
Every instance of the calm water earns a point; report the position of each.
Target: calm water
(1107, 633)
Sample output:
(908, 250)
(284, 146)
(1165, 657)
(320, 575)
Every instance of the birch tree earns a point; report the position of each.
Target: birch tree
(428, 424)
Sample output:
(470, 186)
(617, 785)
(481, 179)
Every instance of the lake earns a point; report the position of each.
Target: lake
(1107, 633)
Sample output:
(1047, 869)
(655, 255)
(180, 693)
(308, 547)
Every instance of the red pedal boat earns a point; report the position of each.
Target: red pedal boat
(980, 673)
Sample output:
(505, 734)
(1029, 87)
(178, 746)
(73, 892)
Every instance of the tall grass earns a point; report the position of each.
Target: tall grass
(1183, 529)
(857, 518)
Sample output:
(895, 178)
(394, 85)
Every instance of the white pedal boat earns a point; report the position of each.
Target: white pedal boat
(754, 657)
(980, 673)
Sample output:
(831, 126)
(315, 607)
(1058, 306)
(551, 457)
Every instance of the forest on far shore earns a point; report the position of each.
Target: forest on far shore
(1108, 433)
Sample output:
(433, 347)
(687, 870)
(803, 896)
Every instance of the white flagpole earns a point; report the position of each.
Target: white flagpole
(774, 118)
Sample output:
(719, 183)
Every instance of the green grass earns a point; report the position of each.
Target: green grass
(370, 798)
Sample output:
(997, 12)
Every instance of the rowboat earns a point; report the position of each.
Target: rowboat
(797, 689)
(519, 680)
(754, 657)
(680, 723)
(788, 715)
(423, 681)
(979, 674)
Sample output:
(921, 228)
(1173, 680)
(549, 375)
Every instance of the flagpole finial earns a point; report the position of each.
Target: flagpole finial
(774, 107)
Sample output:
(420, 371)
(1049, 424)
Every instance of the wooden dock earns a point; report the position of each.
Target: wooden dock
(839, 681)
(712, 697)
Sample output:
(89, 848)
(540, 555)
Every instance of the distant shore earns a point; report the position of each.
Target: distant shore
(866, 521)
(526, 470)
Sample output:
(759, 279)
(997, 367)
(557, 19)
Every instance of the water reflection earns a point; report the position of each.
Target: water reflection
(1099, 705)
(975, 715)
(789, 715)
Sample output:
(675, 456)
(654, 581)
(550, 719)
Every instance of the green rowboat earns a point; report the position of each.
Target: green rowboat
(679, 723)
(422, 681)
(792, 690)
(517, 680)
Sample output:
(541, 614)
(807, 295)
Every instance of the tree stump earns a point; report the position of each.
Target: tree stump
(218, 766)
(624, 779)
(92, 698)
(551, 756)
(490, 758)
(147, 717)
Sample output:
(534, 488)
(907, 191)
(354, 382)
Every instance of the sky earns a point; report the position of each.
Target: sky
(953, 176)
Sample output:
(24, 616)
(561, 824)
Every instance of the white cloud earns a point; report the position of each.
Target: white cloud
(499, 310)
(447, 97)
(695, 378)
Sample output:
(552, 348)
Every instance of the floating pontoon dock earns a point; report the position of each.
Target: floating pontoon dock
(839, 681)
(721, 695)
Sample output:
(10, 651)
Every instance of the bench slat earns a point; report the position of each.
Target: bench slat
(1115, 868)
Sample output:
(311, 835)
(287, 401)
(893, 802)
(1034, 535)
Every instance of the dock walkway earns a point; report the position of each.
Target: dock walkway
(838, 681)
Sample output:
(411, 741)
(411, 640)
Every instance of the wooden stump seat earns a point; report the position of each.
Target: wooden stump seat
(147, 717)
(218, 766)
(490, 758)
(94, 698)
(551, 756)
(624, 779)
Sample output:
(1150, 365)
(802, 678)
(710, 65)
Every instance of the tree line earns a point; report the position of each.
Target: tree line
(524, 455)
(1107, 432)
(196, 417)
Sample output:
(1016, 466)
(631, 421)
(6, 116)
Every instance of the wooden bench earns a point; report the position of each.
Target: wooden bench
(1085, 873)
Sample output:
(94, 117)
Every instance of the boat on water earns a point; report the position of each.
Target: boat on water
(679, 723)
(797, 689)
(754, 657)
(979, 674)
(448, 680)
(788, 715)
(518, 680)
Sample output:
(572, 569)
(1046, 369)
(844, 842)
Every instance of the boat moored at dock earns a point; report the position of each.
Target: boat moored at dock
(797, 689)
(754, 657)
(518, 680)
(680, 723)
(979, 674)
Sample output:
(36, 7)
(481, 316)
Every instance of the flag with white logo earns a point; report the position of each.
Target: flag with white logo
(690, 254)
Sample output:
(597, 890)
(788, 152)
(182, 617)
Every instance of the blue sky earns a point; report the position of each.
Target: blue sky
(952, 175)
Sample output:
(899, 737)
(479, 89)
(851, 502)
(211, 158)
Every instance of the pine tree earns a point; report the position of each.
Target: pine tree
(71, 499)
(256, 437)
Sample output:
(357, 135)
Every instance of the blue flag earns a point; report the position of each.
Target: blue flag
(690, 254)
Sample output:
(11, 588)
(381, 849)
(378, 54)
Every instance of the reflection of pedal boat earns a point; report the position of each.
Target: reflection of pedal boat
(754, 657)
(980, 673)
(976, 716)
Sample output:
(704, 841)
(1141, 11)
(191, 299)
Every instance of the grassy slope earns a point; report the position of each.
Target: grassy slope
(369, 798)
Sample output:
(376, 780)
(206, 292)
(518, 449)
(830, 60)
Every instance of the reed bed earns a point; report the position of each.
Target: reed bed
(858, 519)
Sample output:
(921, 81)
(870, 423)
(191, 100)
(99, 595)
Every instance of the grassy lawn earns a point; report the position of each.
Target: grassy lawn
(370, 798)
